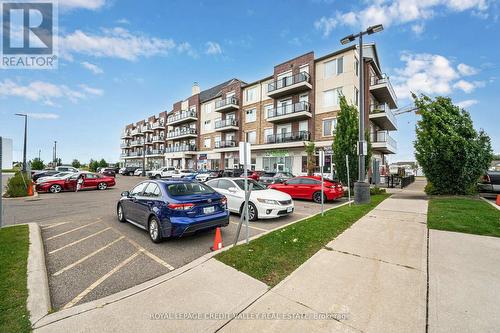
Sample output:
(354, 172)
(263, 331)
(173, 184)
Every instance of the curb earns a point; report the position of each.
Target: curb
(491, 203)
(38, 303)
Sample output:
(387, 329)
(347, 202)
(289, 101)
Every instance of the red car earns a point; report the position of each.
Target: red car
(309, 187)
(90, 181)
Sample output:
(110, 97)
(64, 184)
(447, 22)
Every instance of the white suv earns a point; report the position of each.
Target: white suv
(164, 172)
(66, 168)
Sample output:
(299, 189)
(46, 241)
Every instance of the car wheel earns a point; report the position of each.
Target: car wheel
(317, 197)
(154, 230)
(252, 211)
(102, 186)
(55, 188)
(157, 176)
(120, 213)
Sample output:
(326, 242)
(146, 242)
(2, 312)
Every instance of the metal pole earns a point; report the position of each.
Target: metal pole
(143, 158)
(55, 154)
(25, 139)
(39, 151)
(245, 173)
(322, 191)
(361, 137)
(348, 180)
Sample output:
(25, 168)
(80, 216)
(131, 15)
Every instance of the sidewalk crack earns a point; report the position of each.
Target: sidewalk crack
(370, 258)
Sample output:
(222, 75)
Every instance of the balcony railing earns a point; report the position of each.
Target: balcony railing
(136, 131)
(155, 152)
(146, 128)
(158, 125)
(157, 138)
(137, 143)
(225, 123)
(289, 109)
(384, 137)
(182, 132)
(225, 144)
(176, 149)
(289, 137)
(125, 145)
(288, 81)
(231, 101)
(374, 80)
(135, 154)
(126, 134)
(181, 115)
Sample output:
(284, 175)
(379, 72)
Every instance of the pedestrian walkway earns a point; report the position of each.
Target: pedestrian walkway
(373, 275)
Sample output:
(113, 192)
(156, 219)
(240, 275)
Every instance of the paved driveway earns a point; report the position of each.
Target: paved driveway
(90, 254)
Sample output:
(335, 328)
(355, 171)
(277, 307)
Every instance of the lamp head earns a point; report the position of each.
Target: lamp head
(375, 28)
(347, 39)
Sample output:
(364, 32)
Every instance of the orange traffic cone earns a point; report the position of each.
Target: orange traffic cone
(498, 199)
(217, 241)
(30, 189)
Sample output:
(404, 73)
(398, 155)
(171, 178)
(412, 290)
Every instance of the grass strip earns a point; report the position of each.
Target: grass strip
(14, 244)
(465, 214)
(274, 256)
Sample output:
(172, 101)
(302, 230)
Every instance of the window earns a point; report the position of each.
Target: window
(356, 96)
(331, 97)
(251, 115)
(151, 190)
(334, 67)
(303, 126)
(138, 189)
(267, 110)
(208, 108)
(251, 94)
(207, 125)
(225, 184)
(256, 186)
(309, 181)
(304, 68)
(206, 143)
(267, 133)
(356, 67)
(252, 137)
(188, 189)
(294, 181)
(329, 126)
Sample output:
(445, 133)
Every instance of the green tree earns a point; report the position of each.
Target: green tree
(103, 163)
(93, 165)
(452, 154)
(310, 149)
(345, 142)
(76, 164)
(37, 164)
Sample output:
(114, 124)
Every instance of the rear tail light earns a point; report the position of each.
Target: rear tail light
(223, 200)
(181, 206)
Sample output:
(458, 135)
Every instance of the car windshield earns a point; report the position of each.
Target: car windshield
(256, 186)
(269, 174)
(188, 189)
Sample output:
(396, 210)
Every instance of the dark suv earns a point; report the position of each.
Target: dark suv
(128, 171)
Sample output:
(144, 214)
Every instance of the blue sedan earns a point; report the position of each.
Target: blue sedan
(172, 208)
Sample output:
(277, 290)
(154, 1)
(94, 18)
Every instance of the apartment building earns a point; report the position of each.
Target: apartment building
(297, 103)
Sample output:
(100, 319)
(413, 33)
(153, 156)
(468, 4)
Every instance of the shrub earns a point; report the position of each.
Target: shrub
(376, 190)
(16, 186)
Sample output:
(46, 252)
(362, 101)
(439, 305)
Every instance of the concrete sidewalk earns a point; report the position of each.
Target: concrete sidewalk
(374, 273)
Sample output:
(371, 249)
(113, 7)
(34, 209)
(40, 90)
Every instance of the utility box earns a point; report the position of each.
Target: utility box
(6, 153)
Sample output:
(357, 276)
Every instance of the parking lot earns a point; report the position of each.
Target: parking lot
(91, 255)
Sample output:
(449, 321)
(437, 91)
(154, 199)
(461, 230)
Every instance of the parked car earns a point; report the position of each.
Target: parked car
(309, 187)
(44, 173)
(263, 204)
(138, 172)
(269, 178)
(90, 181)
(64, 168)
(490, 183)
(110, 172)
(128, 171)
(172, 208)
(58, 175)
(184, 173)
(255, 175)
(211, 174)
(164, 172)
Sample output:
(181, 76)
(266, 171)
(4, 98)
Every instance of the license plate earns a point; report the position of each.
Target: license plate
(208, 210)
(289, 209)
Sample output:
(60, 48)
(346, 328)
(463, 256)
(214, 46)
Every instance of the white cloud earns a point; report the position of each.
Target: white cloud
(92, 67)
(43, 115)
(467, 103)
(430, 74)
(115, 43)
(45, 92)
(394, 12)
(83, 4)
(186, 48)
(418, 29)
(213, 48)
(466, 70)
(123, 21)
(91, 91)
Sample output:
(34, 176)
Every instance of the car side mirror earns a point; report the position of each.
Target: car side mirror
(125, 194)
(232, 189)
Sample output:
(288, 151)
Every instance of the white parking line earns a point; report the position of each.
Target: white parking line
(78, 241)
(75, 229)
(52, 225)
(87, 257)
(251, 227)
(100, 280)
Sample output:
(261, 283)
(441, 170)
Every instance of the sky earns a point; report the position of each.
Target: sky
(121, 61)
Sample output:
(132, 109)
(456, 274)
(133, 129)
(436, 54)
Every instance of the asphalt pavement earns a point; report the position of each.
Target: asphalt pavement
(91, 255)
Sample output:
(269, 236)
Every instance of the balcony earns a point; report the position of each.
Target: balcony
(155, 152)
(383, 117)
(133, 154)
(296, 111)
(181, 118)
(136, 132)
(181, 148)
(160, 124)
(148, 140)
(226, 125)
(383, 142)
(227, 104)
(381, 89)
(183, 133)
(158, 138)
(225, 144)
(147, 128)
(289, 137)
(136, 143)
(289, 85)
(125, 145)
(126, 134)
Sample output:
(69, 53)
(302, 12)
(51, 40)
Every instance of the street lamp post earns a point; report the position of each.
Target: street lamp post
(55, 154)
(25, 137)
(361, 188)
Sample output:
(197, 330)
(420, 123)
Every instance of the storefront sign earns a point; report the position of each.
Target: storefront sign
(276, 153)
(328, 150)
(202, 156)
